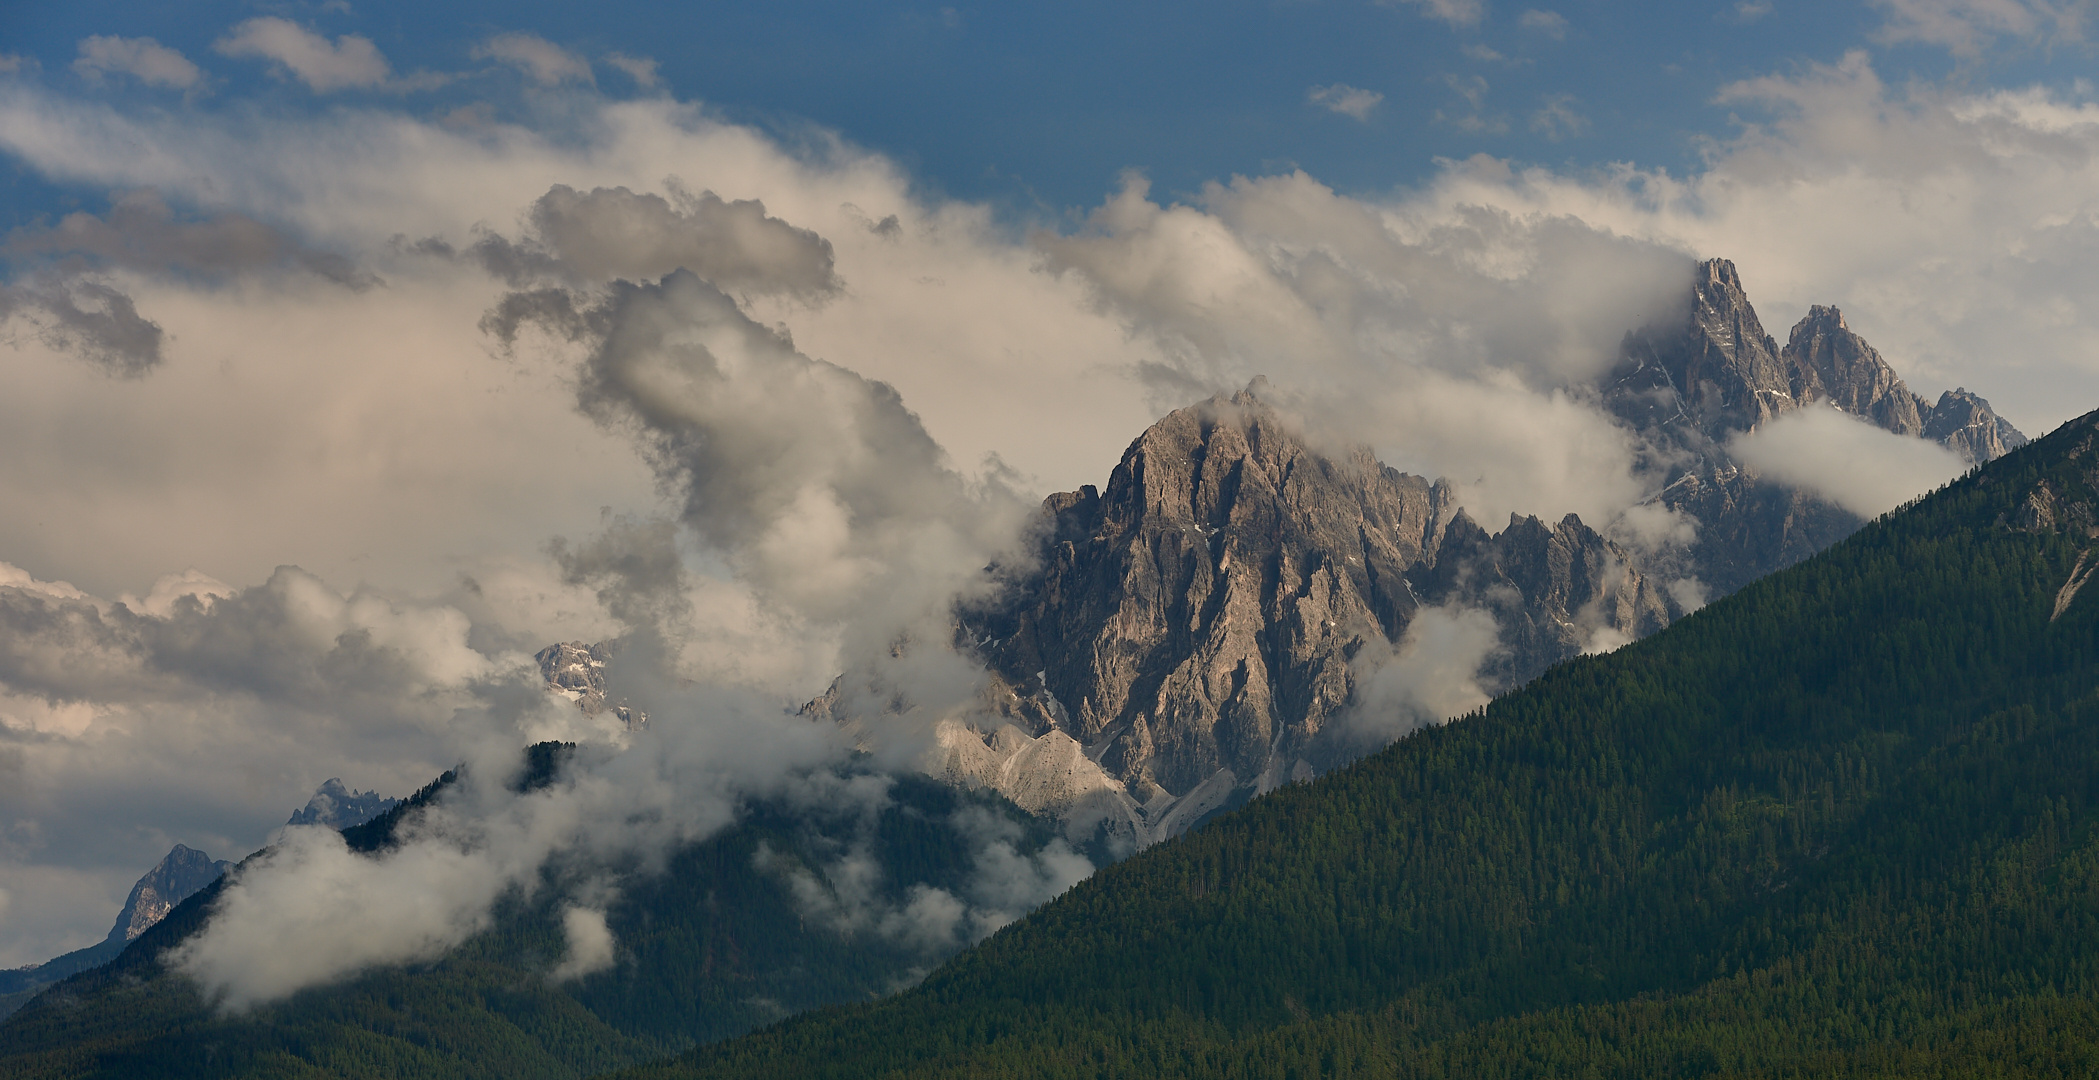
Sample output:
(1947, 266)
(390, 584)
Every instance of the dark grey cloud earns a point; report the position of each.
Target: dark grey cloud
(88, 319)
(604, 234)
(289, 641)
(142, 232)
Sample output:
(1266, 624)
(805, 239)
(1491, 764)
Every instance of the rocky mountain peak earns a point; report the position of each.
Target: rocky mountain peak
(1199, 628)
(576, 671)
(1825, 361)
(337, 807)
(1965, 423)
(1713, 374)
(181, 873)
(1196, 622)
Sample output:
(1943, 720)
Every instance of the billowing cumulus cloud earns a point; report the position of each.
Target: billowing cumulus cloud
(609, 233)
(1430, 677)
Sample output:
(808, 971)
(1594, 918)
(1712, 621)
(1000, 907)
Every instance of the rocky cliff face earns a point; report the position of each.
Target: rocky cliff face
(182, 872)
(1194, 631)
(577, 671)
(1685, 389)
(1197, 621)
(338, 807)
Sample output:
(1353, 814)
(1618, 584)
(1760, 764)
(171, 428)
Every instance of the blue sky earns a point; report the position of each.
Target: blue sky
(287, 363)
(1038, 109)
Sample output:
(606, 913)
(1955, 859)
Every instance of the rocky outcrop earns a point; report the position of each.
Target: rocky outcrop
(181, 873)
(1965, 423)
(577, 671)
(1200, 617)
(1686, 388)
(1194, 631)
(337, 807)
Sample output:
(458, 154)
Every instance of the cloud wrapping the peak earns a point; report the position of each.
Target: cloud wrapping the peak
(1447, 338)
(1844, 459)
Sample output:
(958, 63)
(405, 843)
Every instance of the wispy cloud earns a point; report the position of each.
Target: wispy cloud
(143, 59)
(641, 69)
(1458, 13)
(1966, 27)
(1345, 99)
(1551, 24)
(540, 60)
(1557, 118)
(349, 62)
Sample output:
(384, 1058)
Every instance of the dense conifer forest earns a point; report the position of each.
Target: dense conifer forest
(1842, 823)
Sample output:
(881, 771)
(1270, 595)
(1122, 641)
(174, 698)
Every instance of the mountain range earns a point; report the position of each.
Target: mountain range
(1840, 823)
(1188, 636)
(1207, 628)
(180, 874)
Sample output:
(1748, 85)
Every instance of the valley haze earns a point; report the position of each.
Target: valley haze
(356, 355)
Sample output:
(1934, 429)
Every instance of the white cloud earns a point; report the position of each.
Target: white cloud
(1957, 231)
(1458, 13)
(1749, 11)
(1844, 459)
(143, 59)
(1966, 27)
(1557, 118)
(349, 62)
(541, 60)
(1345, 99)
(1429, 677)
(1552, 24)
(396, 446)
(641, 69)
(590, 944)
(1474, 117)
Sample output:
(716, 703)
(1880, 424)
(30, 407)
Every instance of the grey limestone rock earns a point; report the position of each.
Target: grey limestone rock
(1201, 614)
(181, 873)
(1685, 389)
(339, 808)
(577, 671)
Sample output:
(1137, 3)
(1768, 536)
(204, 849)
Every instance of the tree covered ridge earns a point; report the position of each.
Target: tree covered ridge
(1840, 823)
(712, 945)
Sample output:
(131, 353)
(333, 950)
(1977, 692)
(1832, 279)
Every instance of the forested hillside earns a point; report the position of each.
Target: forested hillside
(1841, 823)
(712, 945)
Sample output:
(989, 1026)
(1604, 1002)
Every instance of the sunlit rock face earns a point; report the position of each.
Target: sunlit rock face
(1200, 623)
(1201, 617)
(181, 873)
